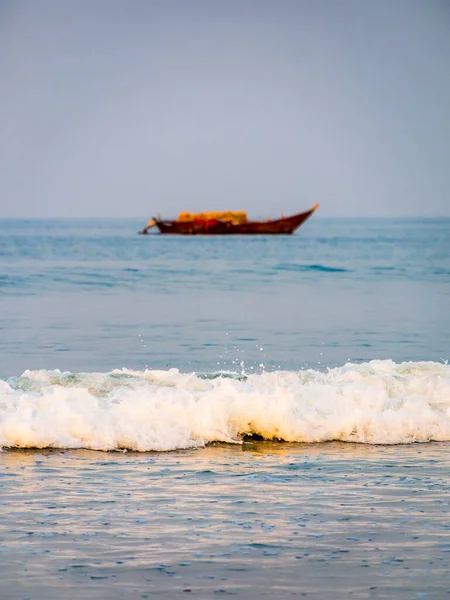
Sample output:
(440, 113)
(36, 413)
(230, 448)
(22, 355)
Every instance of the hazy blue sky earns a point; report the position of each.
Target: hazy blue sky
(128, 108)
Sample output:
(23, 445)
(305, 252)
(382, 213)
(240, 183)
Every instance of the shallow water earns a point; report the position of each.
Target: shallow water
(114, 341)
(259, 520)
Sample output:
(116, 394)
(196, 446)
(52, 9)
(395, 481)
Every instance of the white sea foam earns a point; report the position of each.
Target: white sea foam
(379, 402)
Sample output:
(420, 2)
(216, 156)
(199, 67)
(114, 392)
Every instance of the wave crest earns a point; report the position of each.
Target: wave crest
(379, 402)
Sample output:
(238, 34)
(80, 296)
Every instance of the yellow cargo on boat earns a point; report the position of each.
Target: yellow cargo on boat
(229, 216)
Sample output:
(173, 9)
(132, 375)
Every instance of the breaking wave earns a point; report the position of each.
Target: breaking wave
(378, 402)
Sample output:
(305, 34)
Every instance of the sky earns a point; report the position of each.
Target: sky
(134, 107)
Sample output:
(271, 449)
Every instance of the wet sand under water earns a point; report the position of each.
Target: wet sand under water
(258, 520)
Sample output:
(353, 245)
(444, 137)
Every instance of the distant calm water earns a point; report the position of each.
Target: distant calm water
(92, 296)
(114, 341)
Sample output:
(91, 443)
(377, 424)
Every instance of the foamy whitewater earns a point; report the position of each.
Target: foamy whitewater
(378, 402)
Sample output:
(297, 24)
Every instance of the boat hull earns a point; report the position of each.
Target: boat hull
(284, 226)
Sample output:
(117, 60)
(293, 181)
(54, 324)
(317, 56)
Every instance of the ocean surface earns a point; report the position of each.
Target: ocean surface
(276, 411)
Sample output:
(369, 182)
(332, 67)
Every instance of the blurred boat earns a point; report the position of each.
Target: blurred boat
(227, 223)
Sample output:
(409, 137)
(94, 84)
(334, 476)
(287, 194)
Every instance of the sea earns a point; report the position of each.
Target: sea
(225, 416)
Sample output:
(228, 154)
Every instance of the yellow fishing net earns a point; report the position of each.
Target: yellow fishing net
(230, 216)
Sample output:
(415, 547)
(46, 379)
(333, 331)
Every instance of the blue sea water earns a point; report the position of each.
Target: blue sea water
(93, 295)
(248, 361)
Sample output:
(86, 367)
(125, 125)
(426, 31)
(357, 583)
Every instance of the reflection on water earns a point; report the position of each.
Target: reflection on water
(258, 520)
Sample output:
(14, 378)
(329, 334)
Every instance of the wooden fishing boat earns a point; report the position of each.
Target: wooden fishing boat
(227, 223)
